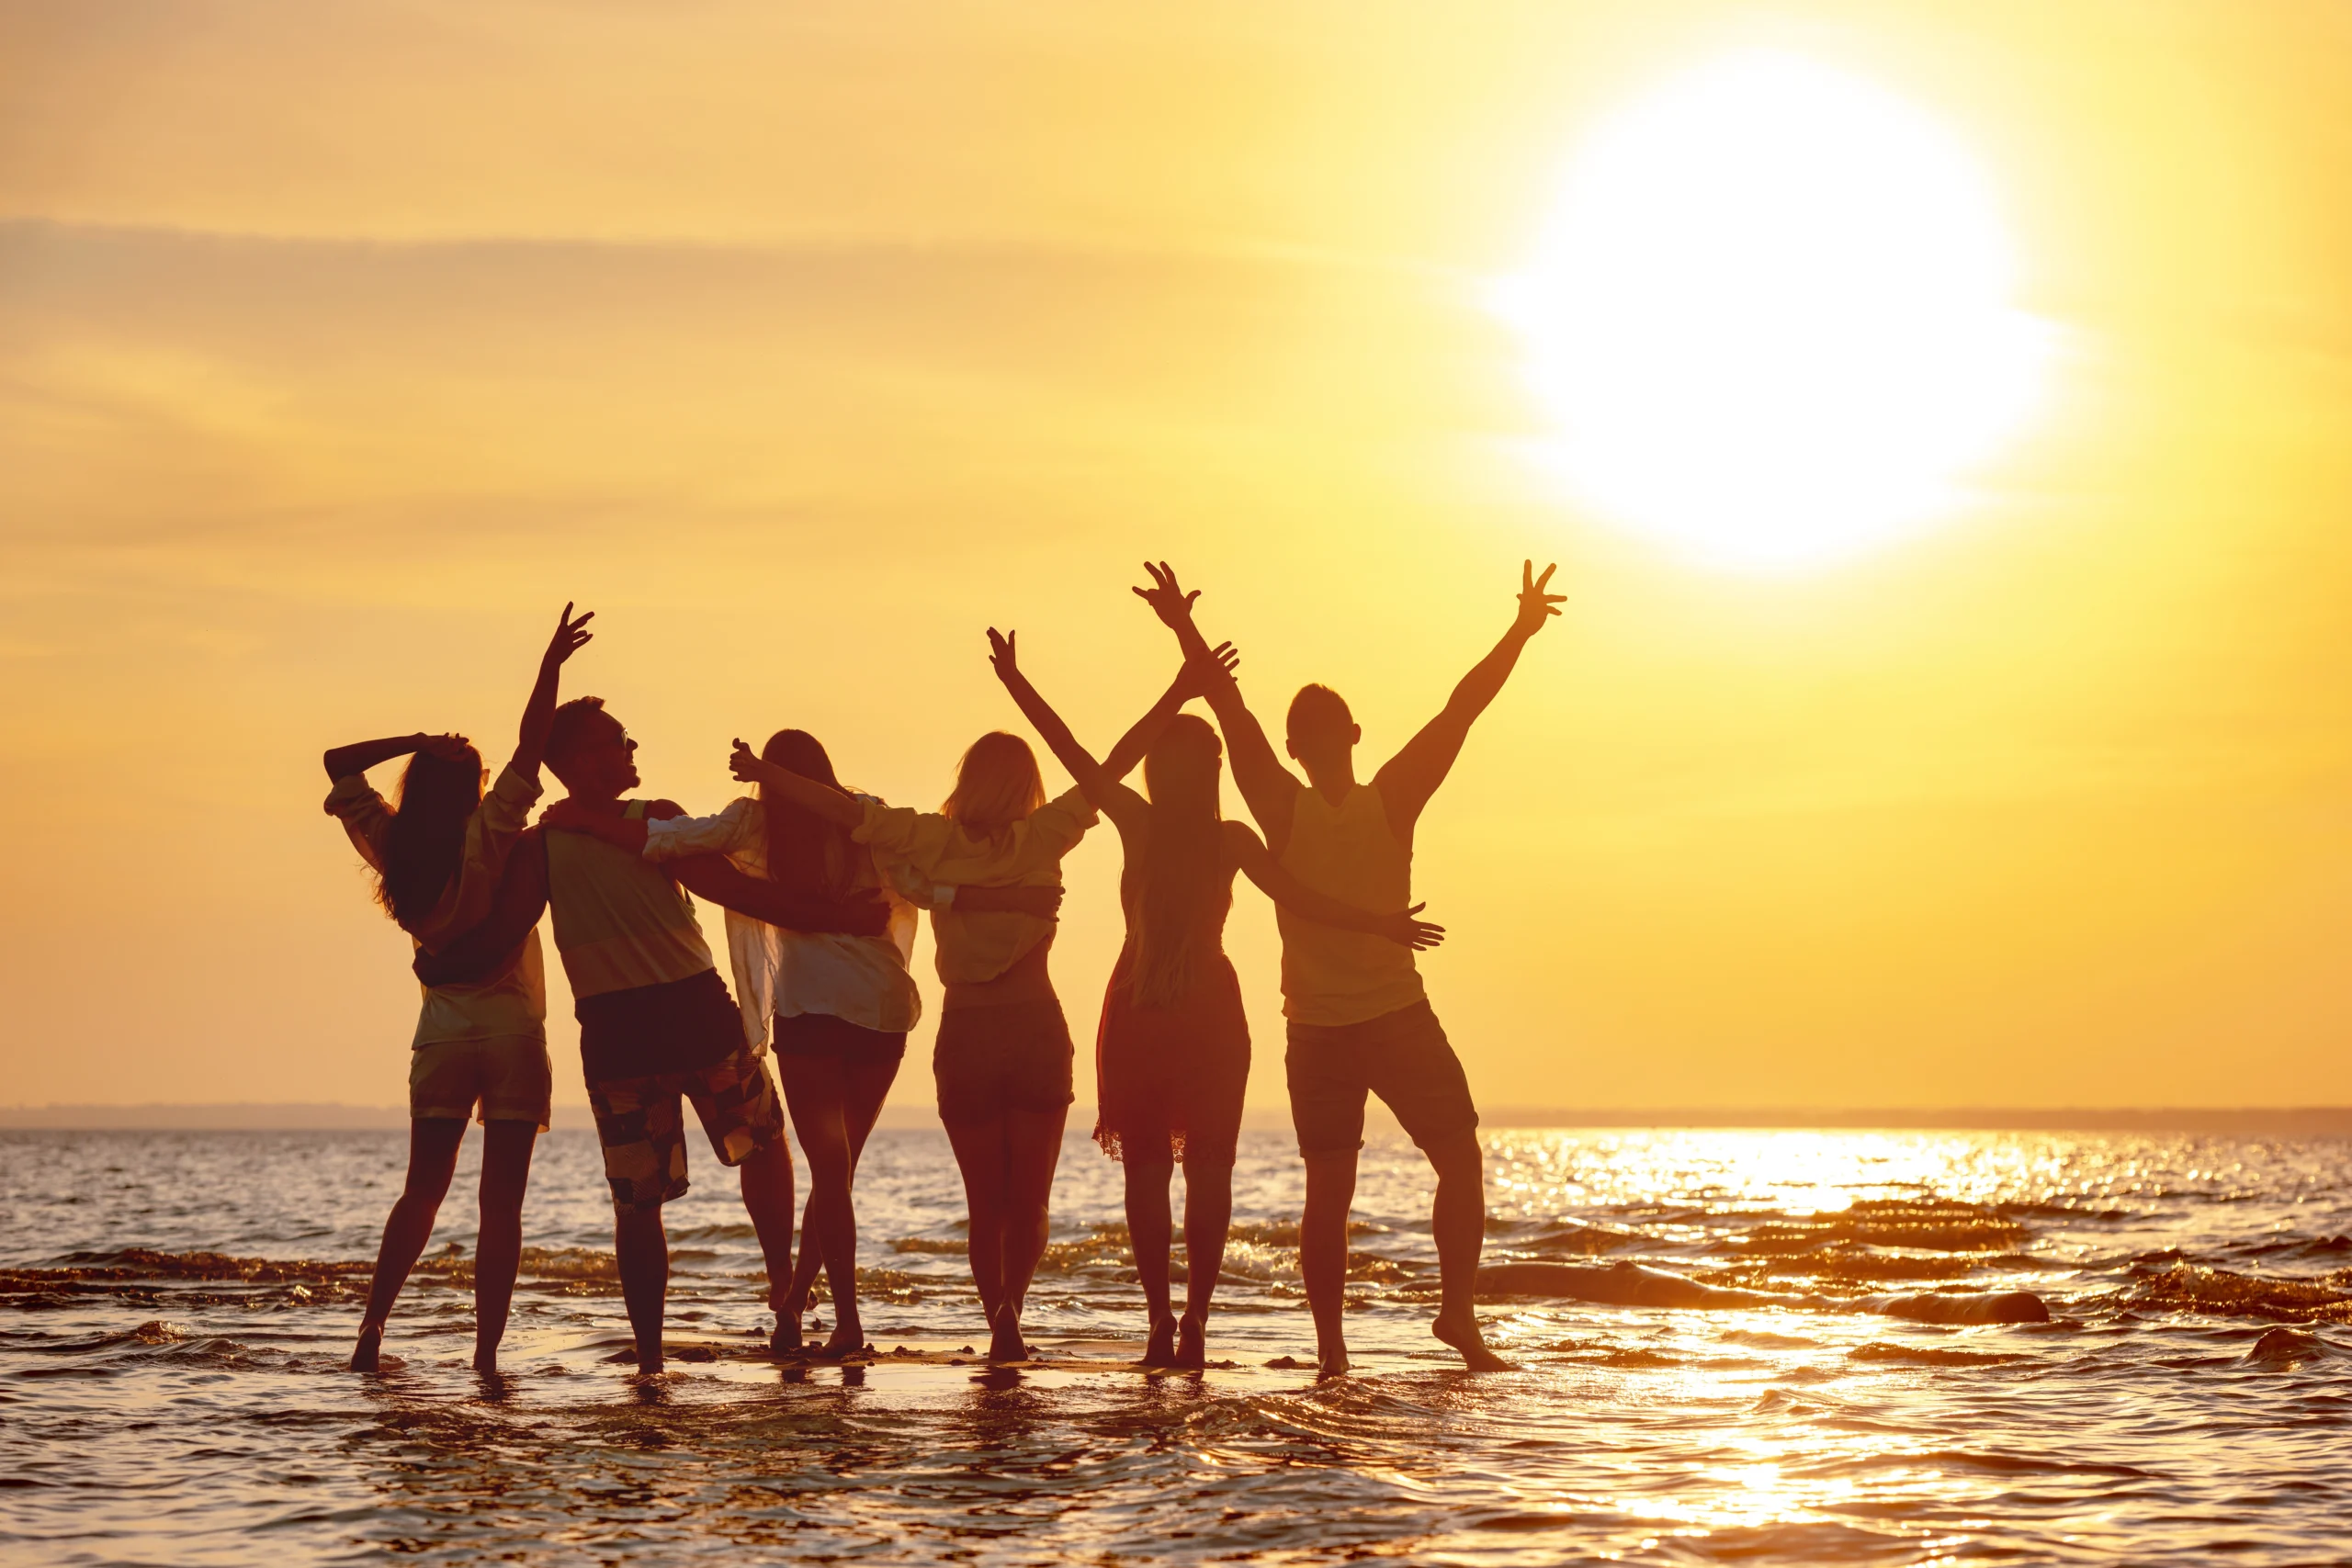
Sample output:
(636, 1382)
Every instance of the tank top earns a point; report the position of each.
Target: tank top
(620, 921)
(1333, 978)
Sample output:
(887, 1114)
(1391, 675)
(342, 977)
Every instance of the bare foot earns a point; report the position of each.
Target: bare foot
(847, 1339)
(1191, 1343)
(648, 1362)
(1331, 1360)
(368, 1354)
(1159, 1350)
(486, 1360)
(1005, 1343)
(1460, 1329)
(784, 1339)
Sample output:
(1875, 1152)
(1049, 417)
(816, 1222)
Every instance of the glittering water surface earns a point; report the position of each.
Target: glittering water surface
(165, 1399)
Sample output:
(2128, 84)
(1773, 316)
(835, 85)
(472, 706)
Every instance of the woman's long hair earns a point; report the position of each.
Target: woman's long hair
(805, 850)
(428, 833)
(997, 785)
(1183, 885)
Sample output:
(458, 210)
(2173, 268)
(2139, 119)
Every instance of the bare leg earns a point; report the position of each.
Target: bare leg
(642, 1249)
(1323, 1251)
(1033, 1149)
(1147, 1173)
(432, 1159)
(979, 1155)
(1208, 1214)
(766, 1178)
(1458, 1222)
(498, 1252)
(864, 1085)
(813, 1088)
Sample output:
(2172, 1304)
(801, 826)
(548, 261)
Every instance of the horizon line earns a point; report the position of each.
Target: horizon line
(341, 1116)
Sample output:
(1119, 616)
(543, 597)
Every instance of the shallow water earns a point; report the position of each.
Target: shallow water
(2191, 1399)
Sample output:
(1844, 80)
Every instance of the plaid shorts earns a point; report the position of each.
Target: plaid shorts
(643, 1128)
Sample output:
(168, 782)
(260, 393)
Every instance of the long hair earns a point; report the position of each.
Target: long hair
(997, 785)
(805, 850)
(428, 833)
(1183, 885)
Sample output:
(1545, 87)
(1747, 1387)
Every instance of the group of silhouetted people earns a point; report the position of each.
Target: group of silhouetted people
(821, 886)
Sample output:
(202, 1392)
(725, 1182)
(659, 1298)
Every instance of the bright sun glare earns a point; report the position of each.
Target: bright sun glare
(1772, 316)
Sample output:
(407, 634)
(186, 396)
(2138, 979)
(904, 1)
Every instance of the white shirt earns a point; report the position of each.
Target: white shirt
(859, 979)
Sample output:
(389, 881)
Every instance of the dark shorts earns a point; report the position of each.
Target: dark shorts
(822, 1034)
(674, 1027)
(1402, 1056)
(991, 1060)
(643, 1128)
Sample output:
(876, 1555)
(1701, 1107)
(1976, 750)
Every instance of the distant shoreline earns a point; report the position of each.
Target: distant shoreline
(2307, 1122)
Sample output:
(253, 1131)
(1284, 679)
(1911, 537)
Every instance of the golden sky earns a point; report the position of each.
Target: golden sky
(340, 345)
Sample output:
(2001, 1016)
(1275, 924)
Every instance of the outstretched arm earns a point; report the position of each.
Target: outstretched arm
(1269, 789)
(538, 713)
(794, 790)
(1279, 885)
(712, 878)
(1413, 775)
(344, 762)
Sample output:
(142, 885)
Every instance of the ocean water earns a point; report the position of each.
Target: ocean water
(175, 1310)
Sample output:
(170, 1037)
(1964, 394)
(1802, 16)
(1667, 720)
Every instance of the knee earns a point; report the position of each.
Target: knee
(1457, 1156)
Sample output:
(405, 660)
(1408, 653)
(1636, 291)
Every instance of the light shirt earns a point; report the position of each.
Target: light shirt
(513, 1002)
(859, 979)
(620, 921)
(1331, 977)
(916, 847)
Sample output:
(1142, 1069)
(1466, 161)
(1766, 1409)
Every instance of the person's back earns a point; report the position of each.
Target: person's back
(621, 923)
(1346, 849)
(656, 1025)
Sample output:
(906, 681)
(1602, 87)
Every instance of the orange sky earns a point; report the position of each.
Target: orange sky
(339, 345)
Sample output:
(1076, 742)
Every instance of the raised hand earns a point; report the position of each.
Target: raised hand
(1197, 678)
(450, 748)
(568, 637)
(1166, 598)
(747, 765)
(1535, 605)
(1416, 935)
(1003, 656)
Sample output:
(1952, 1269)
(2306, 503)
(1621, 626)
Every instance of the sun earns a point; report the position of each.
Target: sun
(1772, 317)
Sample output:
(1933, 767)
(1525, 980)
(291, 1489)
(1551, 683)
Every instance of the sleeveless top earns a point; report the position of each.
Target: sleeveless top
(1333, 978)
(620, 921)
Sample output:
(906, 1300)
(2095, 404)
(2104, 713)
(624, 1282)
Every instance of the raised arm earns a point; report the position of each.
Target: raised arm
(1413, 775)
(1099, 785)
(791, 788)
(343, 761)
(1194, 678)
(1259, 867)
(1269, 789)
(538, 713)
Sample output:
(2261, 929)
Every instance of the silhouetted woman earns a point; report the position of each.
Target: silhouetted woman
(1001, 1064)
(1173, 1057)
(438, 859)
